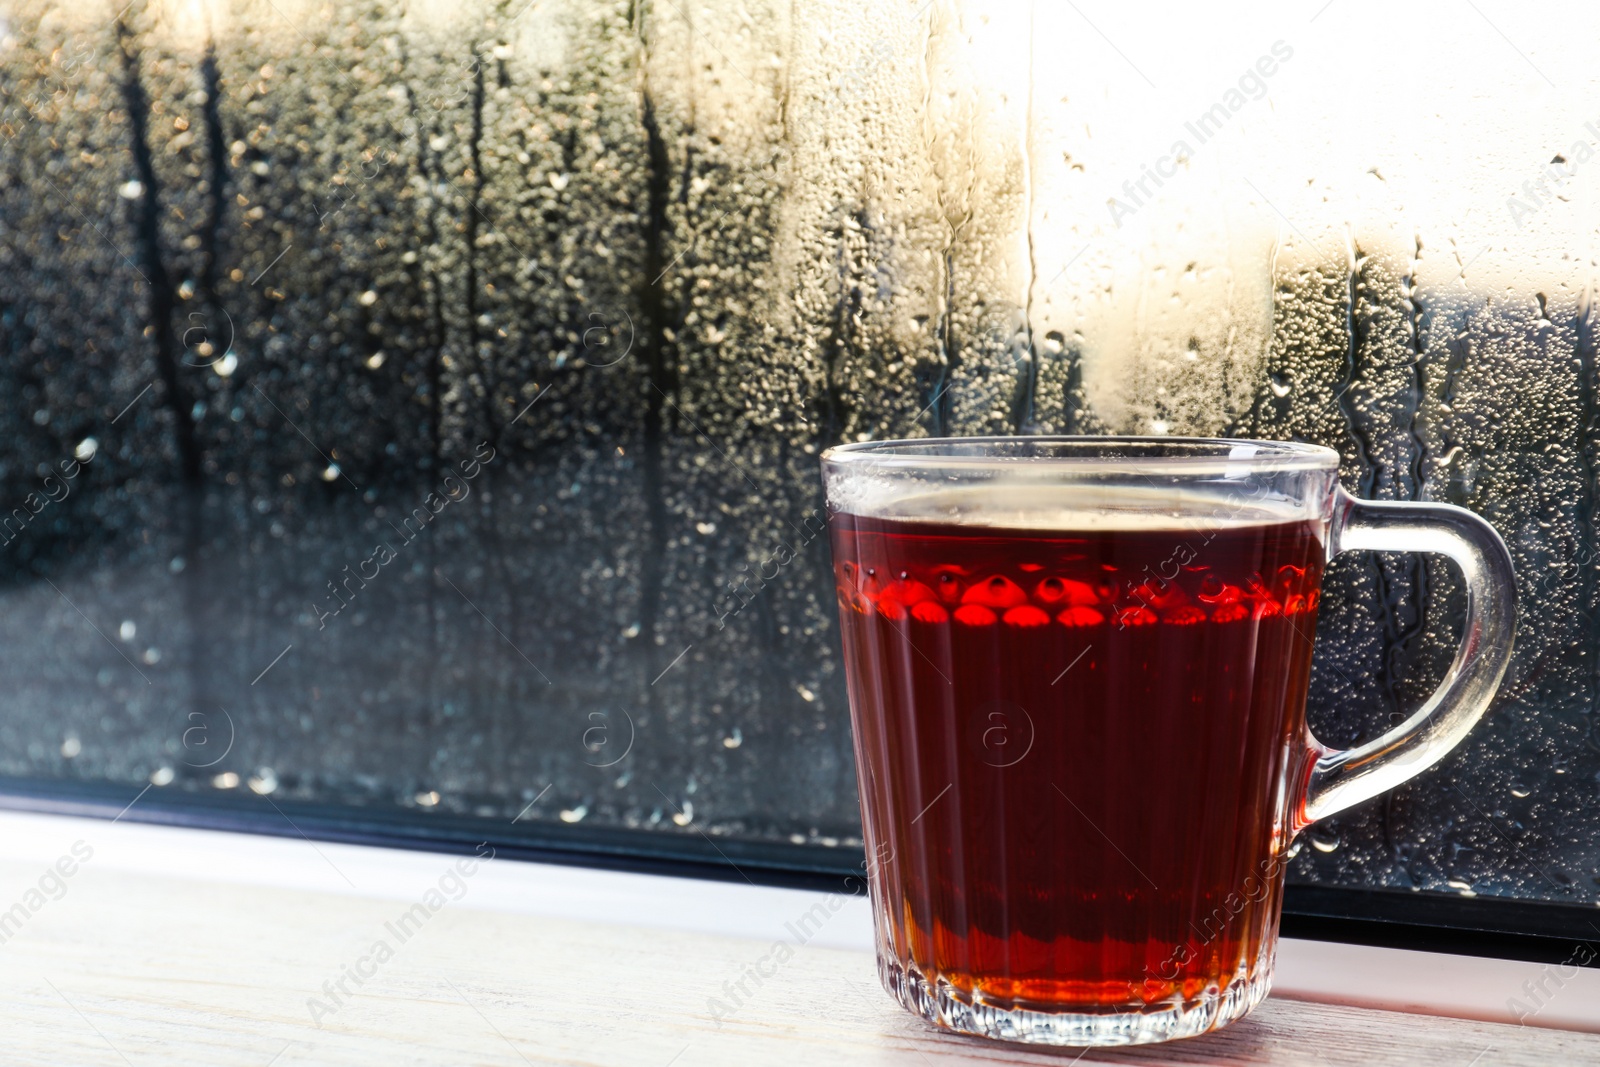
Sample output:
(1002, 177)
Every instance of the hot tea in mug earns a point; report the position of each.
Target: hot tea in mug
(1077, 672)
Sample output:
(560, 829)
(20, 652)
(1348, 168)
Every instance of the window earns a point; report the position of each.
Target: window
(410, 416)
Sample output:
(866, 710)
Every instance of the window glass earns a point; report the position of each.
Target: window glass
(415, 407)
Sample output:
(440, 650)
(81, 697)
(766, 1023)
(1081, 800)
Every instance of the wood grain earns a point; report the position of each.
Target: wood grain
(130, 969)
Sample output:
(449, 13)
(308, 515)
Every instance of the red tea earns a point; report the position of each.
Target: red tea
(1078, 751)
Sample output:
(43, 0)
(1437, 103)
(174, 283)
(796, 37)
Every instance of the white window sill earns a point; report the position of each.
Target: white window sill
(146, 954)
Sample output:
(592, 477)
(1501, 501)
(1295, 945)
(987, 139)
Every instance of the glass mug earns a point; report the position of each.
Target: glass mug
(1077, 672)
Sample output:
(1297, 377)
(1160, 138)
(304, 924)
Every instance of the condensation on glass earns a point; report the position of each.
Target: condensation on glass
(442, 384)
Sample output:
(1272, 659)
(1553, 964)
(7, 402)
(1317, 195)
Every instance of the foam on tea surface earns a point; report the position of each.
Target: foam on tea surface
(1059, 508)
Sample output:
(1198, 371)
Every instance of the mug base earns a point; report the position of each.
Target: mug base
(951, 1009)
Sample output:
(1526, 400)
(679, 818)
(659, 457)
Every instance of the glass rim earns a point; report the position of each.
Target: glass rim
(1087, 454)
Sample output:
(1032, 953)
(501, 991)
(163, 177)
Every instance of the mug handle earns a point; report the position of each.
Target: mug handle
(1342, 777)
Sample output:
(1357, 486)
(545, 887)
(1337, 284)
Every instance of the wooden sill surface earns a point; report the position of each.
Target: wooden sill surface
(130, 969)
